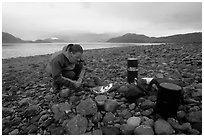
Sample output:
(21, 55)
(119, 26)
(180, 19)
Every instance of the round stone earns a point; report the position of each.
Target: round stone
(64, 93)
(134, 121)
(100, 99)
(143, 130)
(123, 89)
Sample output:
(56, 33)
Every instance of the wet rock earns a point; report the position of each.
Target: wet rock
(147, 112)
(123, 90)
(195, 116)
(74, 100)
(32, 111)
(133, 93)
(108, 118)
(197, 93)
(77, 125)
(126, 129)
(147, 104)
(97, 81)
(100, 99)
(14, 132)
(97, 132)
(110, 105)
(181, 115)
(60, 110)
(125, 114)
(87, 107)
(48, 97)
(132, 106)
(134, 121)
(159, 75)
(191, 101)
(47, 122)
(34, 119)
(24, 101)
(97, 117)
(147, 121)
(111, 95)
(194, 132)
(15, 121)
(198, 86)
(7, 111)
(162, 127)
(13, 90)
(140, 100)
(143, 130)
(64, 93)
(184, 127)
(176, 125)
(57, 131)
(194, 108)
(110, 131)
(32, 129)
(197, 126)
(152, 98)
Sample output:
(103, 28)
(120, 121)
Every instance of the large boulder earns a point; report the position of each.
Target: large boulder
(143, 130)
(162, 127)
(77, 125)
(87, 107)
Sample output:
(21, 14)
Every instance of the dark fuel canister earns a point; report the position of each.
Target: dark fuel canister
(132, 69)
(168, 99)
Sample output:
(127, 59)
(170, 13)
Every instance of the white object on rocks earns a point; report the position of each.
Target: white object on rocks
(102, 89)
(148, 80)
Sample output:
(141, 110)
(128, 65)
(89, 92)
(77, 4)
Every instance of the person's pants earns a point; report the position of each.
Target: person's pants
(71, 74)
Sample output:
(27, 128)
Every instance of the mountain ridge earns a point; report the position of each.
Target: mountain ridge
(140, 38)
(126, 38)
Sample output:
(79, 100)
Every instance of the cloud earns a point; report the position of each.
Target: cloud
(150, 18)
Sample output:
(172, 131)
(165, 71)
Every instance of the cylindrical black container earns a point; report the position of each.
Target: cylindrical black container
(132, 69)
(168, 99)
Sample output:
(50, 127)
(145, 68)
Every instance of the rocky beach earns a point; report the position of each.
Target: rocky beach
(29, 105)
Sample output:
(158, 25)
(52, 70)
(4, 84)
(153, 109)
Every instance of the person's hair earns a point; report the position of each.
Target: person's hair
(74, 48)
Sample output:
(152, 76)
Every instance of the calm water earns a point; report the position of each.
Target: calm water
(10, 50)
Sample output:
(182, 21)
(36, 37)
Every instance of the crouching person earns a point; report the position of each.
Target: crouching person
(66, 67)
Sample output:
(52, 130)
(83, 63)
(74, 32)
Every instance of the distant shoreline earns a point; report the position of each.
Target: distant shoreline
(90, 46)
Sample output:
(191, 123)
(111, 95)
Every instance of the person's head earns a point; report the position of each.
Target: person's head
(75, 53)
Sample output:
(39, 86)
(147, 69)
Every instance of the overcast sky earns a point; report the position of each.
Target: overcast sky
(31, 21)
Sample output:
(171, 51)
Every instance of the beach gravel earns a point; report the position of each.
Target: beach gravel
(29, 105)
